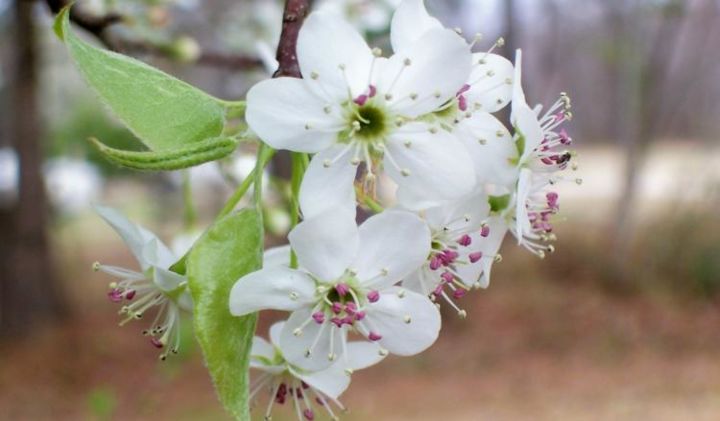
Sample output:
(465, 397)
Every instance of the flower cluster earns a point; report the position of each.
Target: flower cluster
(421, 119)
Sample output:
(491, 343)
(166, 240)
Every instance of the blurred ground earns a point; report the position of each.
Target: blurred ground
(549, 340)
(530, 349)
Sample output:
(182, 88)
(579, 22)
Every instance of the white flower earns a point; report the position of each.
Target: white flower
(306, 389)
(154, 287)
(354, 106)
(468, 115)
(534, 206)
(465, 242)
(538, 144)
(539, 155)
(539, 140)
(346, 282)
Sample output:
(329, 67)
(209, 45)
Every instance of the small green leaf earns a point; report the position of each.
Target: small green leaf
(182, 157)
(231, 248)
(165, 113)
(499, 203)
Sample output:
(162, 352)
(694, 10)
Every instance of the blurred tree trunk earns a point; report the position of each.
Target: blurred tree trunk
(642, 78)
(28, 292)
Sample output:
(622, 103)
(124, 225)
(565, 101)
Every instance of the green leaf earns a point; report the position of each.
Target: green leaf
(183, 157)
(231, 248)
(499, 203)
(165, 113)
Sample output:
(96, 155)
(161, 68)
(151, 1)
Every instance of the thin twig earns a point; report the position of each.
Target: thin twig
(293, 17)
(97, 26)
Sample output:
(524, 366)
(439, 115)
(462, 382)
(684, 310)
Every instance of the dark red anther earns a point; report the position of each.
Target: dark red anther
(459, 293)
(373, 296)
(485, 230)
(475, 257)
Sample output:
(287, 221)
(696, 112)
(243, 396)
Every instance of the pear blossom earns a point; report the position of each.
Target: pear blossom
(153, 287)
(465, 243)
(346, 282)
(467, 116)
(354, 106)
(534, 209)
(306, 389)
(538, 144)
(540, 153)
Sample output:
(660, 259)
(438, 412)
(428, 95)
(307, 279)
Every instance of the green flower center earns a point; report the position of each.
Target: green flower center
(370, 122)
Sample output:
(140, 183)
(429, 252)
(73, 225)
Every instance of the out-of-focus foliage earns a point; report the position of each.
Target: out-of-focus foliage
(69, 137)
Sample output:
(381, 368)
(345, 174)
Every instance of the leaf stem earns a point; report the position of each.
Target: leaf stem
(299, 165)
(368, 201)
(264, 155)
(190, 213)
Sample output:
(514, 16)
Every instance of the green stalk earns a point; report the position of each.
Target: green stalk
(190, 213)
(264, 155)
(299, 164)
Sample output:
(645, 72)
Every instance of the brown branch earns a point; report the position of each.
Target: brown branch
(293, 17)
(207, 58)
(98, 25)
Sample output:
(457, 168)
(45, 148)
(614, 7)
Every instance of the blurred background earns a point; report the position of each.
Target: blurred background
(622, 323)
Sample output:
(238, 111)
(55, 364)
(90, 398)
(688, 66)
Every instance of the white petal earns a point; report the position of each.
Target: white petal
(274, 288)
(134, 236)
(490, 247)
(411, 200)
(491, 84)
(437, 52)
(285, 114)
(185, 301)
(389, 314)
(328, 182)
(326, 43)
(528, 127)
(410, 22)
(414, 282)
(332, 381)
(392, 245)
(277, 256)
(466, 214)
(491, 148)
(522, 221)
(363, 354)
(276, 332)
(470, 273)
(294, 347)
(261, 348)
(156, 253)
(326, 244)
(522, 117)
(518, 95)
(437, 165)
(167, 281)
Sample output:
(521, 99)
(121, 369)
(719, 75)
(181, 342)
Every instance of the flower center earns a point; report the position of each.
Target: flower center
(371, 121)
